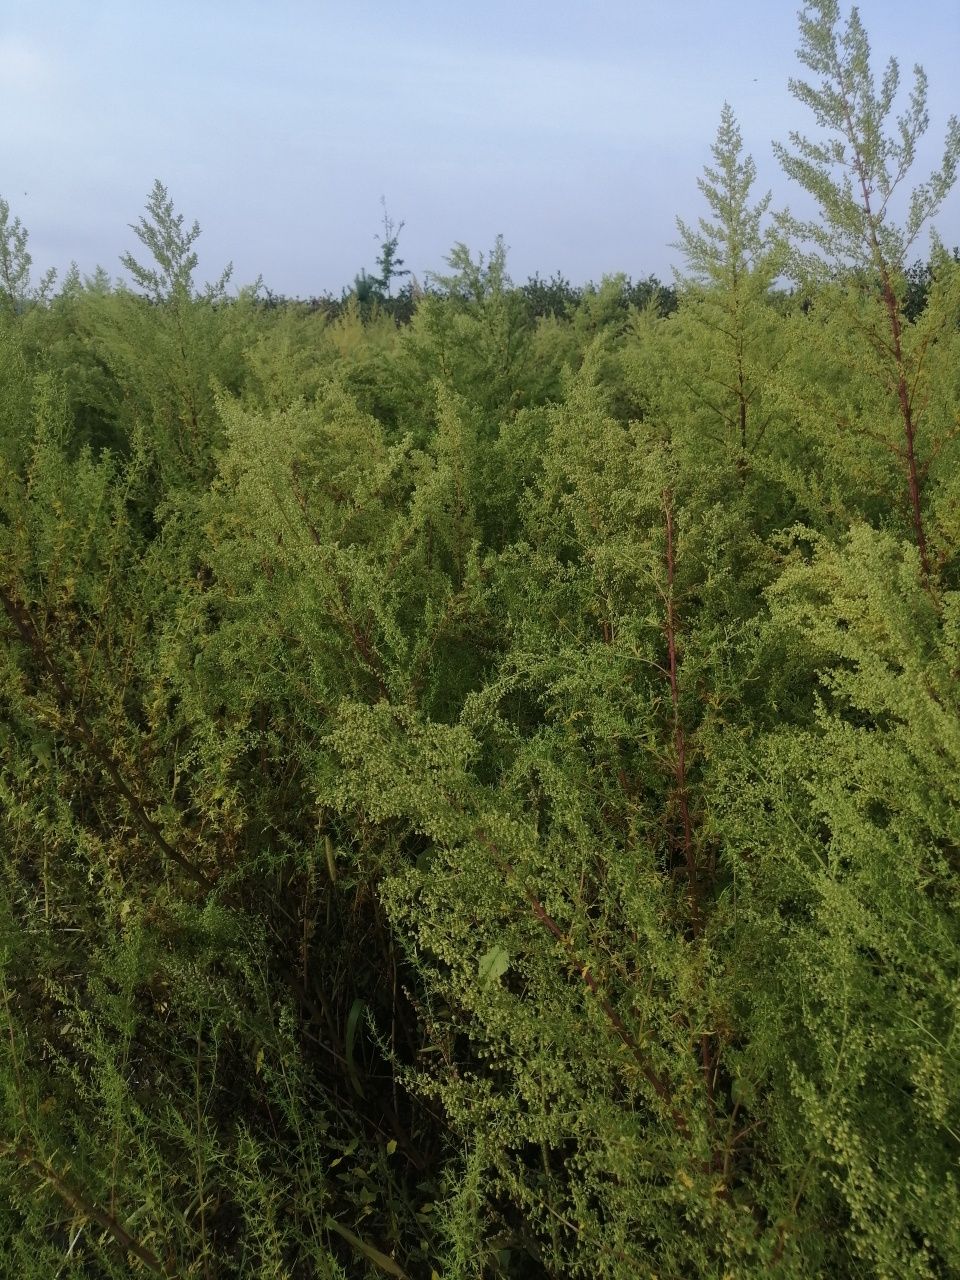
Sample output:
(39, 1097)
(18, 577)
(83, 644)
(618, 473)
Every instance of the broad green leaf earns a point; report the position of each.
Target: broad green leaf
(493, 965)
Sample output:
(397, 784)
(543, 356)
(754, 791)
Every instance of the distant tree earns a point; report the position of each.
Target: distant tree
(375, 289)
(390, 266)
(919, 279)
(556, 296)
(641, 293)
(366, 288)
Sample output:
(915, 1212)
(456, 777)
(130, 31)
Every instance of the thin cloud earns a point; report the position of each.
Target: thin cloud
(23, 68)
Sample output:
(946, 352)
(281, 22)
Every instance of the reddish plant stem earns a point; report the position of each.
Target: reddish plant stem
(657, 1082)
(909, 426)
(892, 308)
(680, 788)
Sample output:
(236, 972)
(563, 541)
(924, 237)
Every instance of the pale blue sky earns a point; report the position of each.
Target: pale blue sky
(578, 130)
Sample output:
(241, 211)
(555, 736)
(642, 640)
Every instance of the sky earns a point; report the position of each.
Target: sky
(576, 128)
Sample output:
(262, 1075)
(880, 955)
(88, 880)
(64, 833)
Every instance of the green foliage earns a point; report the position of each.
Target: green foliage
(15, 264)
(390, 266)
(850, 912)
(854, 174)
(479, 795)
(723, 253)
(727, 339)
(170, 246)
(377, 289)
(855, 171)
